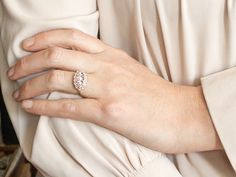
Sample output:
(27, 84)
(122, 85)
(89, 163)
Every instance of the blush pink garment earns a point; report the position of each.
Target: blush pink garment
(182, 41)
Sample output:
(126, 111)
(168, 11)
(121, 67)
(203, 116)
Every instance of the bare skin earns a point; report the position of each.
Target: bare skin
(122, 95)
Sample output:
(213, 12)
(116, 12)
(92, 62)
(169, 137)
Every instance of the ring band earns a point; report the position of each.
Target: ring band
(80, 80)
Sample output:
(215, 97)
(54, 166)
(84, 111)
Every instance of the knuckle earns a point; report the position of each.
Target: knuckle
(54, 78)
(112, 110)
(43, 36)
(40, 107)
(74, 34)
(22, 64)
(108, 66)
(25, 87)
(121, 52)
(68, 106)
(53, 55)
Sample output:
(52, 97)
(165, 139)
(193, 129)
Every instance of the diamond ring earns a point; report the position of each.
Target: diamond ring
(80, 80)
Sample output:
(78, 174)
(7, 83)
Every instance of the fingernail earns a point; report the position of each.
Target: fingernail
(16, 94)
(27, 104)
(10, 72)
(28, 42)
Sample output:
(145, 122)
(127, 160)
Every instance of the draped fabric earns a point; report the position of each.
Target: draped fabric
(183, 41)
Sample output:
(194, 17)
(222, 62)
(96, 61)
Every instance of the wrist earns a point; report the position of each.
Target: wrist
(201, 134)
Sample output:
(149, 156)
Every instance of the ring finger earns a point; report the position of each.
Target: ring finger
(56, 80)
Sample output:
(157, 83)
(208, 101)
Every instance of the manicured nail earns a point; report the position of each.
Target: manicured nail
(16, 94)
(28, 42)
(10, 72)
(27, 104)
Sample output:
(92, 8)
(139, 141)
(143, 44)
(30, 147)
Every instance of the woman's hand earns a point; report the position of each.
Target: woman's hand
(121, 94)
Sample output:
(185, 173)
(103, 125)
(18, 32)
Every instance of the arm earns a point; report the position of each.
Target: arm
(174, 118)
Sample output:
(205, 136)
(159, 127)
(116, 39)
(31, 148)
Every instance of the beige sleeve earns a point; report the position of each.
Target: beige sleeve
(220, 93)
(62, 147)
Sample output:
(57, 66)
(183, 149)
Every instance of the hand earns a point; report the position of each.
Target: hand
(121, 94)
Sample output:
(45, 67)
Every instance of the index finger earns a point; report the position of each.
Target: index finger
(66, 38)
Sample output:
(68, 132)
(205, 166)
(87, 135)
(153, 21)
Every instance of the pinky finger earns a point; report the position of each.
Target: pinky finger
(88, 110)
